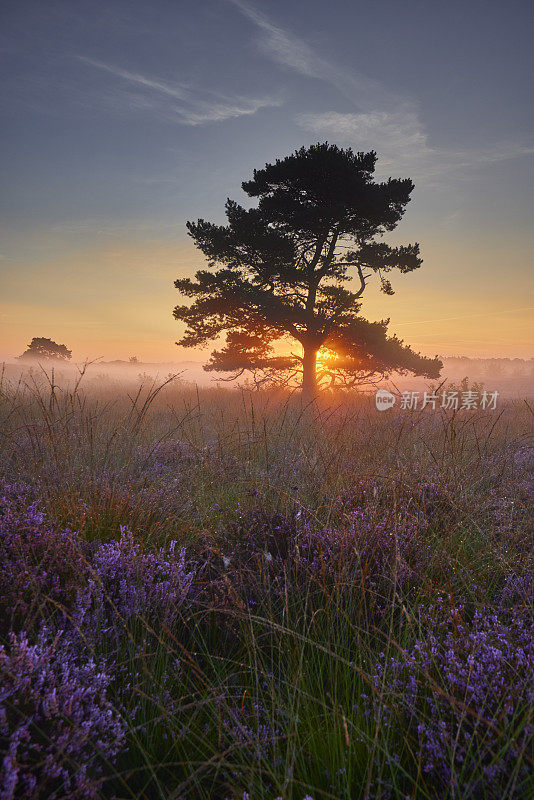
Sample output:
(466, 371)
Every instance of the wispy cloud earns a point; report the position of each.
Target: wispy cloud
(402, 142)
(379, 118)
(399, 132)
(293, 52)
(190, 106)
(280, 44)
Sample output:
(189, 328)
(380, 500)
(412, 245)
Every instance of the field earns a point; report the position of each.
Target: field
(220, 593)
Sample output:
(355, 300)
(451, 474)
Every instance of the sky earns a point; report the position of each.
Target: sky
(120, 121)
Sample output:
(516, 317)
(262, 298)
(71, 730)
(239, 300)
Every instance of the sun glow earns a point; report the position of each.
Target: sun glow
(325, 357)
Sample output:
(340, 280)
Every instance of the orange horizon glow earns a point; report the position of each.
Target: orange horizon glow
(114, 299)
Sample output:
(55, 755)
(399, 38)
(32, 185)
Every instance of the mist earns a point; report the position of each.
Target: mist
(510, 377)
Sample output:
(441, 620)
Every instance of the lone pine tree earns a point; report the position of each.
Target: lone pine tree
(278, 273)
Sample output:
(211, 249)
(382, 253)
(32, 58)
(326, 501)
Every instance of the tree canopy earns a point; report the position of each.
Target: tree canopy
(41, 348)
(278, 273)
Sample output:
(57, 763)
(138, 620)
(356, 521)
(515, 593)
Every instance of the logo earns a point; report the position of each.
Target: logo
(384, 399)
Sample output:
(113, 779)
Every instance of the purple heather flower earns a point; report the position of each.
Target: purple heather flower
(125, 582)
(40, 562)
(460, 689)
(56, 720)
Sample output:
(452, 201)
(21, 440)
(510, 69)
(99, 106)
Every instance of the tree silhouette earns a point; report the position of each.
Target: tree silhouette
(278, 273)
(41, 348)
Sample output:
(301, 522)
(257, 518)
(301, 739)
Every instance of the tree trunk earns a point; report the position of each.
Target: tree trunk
(309, 377)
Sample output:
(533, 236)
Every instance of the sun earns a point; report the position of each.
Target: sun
(327, 357)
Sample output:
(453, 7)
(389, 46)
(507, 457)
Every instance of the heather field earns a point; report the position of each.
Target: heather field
(212, 594)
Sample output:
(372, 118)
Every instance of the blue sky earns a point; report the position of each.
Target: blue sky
(121, 120)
